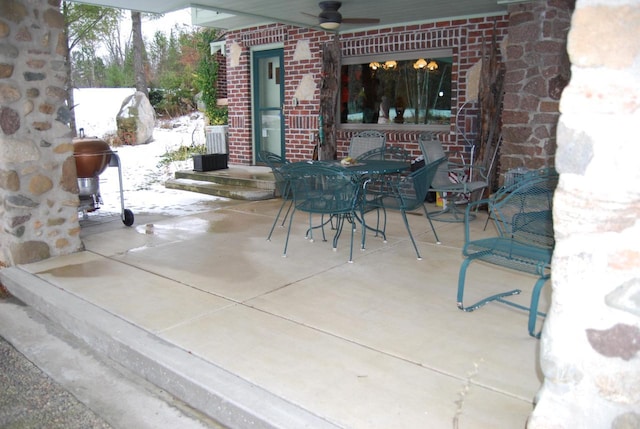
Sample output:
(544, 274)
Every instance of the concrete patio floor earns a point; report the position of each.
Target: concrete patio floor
(204, 307)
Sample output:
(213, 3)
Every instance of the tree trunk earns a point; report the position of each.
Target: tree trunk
(138, 53)
(490, 96)
(329, 90)
(67, 66)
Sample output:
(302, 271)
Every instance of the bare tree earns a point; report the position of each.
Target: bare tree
(85, 25)
(138, 53)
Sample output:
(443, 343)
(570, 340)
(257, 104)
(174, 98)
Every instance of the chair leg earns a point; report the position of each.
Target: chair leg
(338, 227)
(286, 241)
(450, 212)
(496, 297)
(426, 214)
(533, 309)
(406, 224)
(353, 228)
(284, 219)
(377, 229)
(364, 229)
(275, 221)
(340, 221)
(310, 232)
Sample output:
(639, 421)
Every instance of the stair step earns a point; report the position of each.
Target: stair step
(220, 190)
(255, 177)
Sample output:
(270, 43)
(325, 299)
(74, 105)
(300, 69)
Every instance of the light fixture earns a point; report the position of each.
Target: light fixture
(328, 25)
(391, 64)
(432, 65)
(387, 65)
(330, 19)
(420, 64)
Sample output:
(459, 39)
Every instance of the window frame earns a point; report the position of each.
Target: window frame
(401, 56)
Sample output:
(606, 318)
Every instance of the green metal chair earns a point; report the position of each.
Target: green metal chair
(452, 193)
(404, 194)
(327, 190)
(377, 185)
(522, 214)
(275, 162)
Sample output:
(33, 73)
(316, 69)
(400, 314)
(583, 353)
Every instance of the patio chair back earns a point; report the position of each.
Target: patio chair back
(366, 141)
(456, 191)
(276, 163)
(432, 150)
(375, 154)
(523, 211)
(323, 188)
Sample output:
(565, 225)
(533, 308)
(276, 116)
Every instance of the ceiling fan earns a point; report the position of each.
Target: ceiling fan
(330, 19)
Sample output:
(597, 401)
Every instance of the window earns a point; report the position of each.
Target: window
(411, 89)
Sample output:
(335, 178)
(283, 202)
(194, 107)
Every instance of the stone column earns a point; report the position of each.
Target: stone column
(38, 187)
(590, 347)
(537, 70)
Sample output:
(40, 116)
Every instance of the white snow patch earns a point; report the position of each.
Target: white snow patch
(142, 177)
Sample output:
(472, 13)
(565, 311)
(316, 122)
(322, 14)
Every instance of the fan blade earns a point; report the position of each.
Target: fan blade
(360, 21)
(308, 14)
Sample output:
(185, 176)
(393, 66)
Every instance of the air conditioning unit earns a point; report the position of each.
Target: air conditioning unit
(216, 137)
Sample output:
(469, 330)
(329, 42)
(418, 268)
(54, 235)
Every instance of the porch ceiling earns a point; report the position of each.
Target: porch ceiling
(238, 14)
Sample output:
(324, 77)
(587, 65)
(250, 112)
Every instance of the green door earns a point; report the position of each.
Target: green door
(268, 96)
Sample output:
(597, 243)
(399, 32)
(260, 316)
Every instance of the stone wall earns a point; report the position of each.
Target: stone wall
(537, 70)
(590, 348)
(38, 187)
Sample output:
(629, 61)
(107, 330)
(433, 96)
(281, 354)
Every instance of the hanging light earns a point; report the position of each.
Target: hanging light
(432, 65)
(391, 64)
(420, 64)
(330, 19)
(375, 65)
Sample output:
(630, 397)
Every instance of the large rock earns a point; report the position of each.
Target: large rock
(136, 119)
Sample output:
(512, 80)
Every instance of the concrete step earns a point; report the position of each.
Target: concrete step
(249, 176)
(222, 397)
(220, 190)
(236, 182)
(69, 371)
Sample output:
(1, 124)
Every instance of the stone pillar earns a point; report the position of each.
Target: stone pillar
(590, 347)
(537, 70)
(38, 187)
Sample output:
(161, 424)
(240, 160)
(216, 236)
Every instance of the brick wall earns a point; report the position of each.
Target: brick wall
(465, 37)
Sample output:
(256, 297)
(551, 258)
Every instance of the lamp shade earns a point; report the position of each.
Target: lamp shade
(328, 25)
(420, 64)
(330, 19)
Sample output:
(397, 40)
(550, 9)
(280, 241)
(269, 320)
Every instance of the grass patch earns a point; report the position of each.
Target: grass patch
(182, 153)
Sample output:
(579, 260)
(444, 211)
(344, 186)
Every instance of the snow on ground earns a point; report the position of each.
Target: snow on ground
(142, 177)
